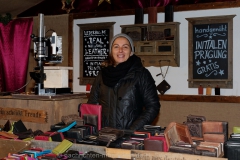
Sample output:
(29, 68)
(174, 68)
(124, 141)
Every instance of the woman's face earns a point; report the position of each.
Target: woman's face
(121, 50)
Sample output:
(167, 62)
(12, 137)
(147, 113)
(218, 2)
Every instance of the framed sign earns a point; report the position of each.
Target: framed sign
(210, 51)
(94, 49)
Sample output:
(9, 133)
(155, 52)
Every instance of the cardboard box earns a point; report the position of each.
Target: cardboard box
(56, 76)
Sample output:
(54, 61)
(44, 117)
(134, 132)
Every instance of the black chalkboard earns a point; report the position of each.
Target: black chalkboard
(210, 51)
(95, 50)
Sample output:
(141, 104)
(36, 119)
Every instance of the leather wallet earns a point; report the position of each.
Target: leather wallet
(62, 147)
(153, 145)
(132, 144)
(163, 87)
(195, 118)
(163, 139)
(217, 146)
(182, 149)
(215, 127)
(76, 133)
(195, 128)
(108, 134)
(206, 151)
(91, 119)
(72, 117)
(93, 109)
(176, 132)
(214, 137)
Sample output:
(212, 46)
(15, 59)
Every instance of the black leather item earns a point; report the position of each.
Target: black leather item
(19, 127)
(75, 134)
(163, 87)
(7, 126)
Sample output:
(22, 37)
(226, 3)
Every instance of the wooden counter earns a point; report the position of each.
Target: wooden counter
(38, 112)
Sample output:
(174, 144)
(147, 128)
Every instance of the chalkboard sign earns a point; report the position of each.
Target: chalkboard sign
(210, 51)
(94, 49)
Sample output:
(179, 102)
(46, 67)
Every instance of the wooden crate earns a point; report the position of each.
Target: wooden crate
(39, 112)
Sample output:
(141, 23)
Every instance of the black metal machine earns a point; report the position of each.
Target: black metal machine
(46, 51)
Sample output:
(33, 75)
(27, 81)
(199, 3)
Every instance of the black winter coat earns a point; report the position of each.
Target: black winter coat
(131, 104)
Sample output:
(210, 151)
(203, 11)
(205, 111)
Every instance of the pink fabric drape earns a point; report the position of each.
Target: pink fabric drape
(15, 43)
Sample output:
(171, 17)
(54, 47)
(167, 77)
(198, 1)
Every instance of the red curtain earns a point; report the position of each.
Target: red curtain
(15, 43)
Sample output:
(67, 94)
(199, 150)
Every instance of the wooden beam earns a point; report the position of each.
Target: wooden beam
(177, 8)
(200, 98)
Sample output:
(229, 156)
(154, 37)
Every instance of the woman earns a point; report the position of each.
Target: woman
(124, 88)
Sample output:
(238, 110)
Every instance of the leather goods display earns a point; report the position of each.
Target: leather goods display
(92, 109)
(108, 134)
(176, 132)
(163, 87)
(72, 117)
(195, 128)
(62, 147)
(195, 118)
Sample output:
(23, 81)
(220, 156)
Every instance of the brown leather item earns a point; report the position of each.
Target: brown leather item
(214, 145)
(72, 117)
(211, 137)
(8, 135)
(212, 126)
(153, 145)
(176, 132)
(108, 134)
(205, 149)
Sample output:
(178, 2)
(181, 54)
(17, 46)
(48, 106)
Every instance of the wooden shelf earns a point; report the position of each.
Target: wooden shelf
(200, 98)
(157, 44)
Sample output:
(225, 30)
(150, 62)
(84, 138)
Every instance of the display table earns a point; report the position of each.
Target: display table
(177, 107)
(39, 112)
(125, 153)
